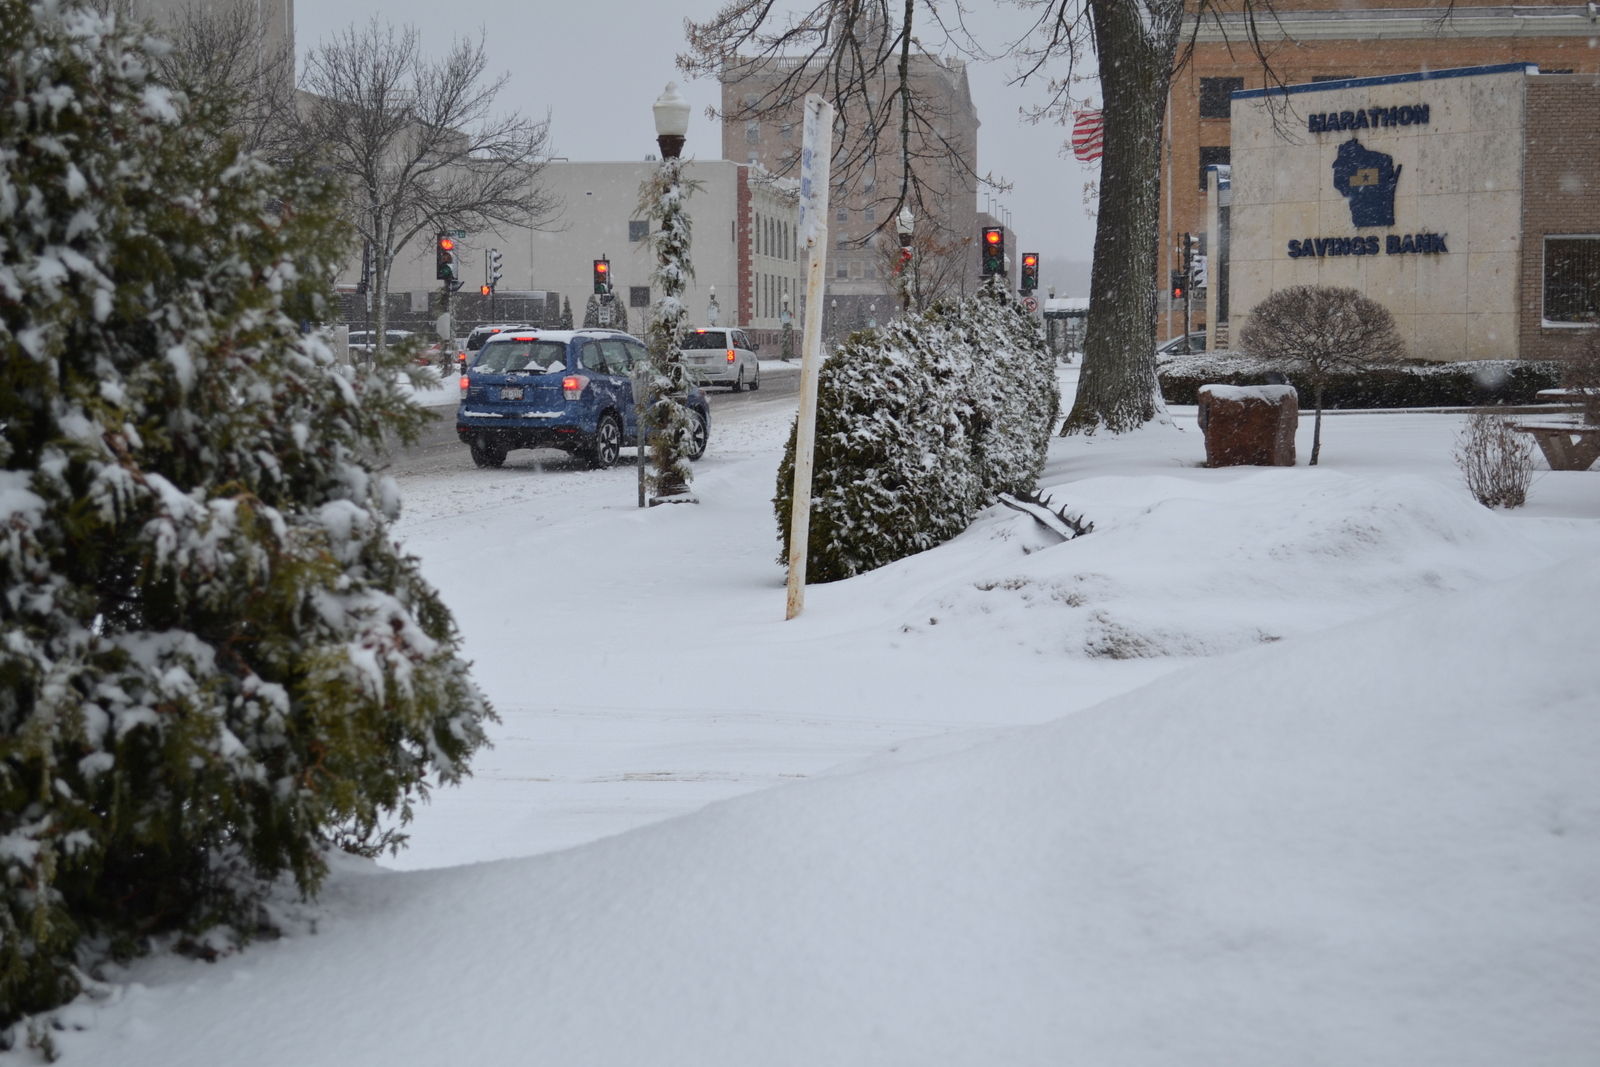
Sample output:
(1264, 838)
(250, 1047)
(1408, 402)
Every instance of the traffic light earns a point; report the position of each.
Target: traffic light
(485, 290)
(494, 269)
(445, 264)
(602, 277)
(994, 251)
(1030, 272)
(1180, 284)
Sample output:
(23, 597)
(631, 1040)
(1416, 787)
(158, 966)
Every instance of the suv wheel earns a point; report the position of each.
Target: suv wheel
(738, 385)
(487, 453)
(699, 436)
(607, 443)
(755, 383)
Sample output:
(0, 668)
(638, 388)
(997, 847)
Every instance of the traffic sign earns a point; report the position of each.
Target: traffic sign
(1030, 303)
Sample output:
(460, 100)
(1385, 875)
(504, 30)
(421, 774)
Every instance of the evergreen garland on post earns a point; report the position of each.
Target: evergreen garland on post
(216, 662)
(666, 381)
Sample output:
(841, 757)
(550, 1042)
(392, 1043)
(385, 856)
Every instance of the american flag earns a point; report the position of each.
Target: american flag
(1088, 136)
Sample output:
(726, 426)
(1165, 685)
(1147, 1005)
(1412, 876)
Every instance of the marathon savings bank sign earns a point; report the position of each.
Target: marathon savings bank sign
(1367, 180)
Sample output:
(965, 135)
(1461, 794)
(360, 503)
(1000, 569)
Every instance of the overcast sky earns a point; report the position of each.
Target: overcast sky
(597, 68)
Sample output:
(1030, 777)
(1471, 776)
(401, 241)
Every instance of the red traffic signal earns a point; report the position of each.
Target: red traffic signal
(1030, 271)
(444, 259)
(485, 290)
(602, 277)
(994, 250)
(1180, 284)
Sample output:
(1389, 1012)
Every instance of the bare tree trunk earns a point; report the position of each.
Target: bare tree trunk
(1316, 429)
(1117, 387)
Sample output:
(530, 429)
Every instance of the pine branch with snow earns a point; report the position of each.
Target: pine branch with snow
(218, 663)
(920, 425)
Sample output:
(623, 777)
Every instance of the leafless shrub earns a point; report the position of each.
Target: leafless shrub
(1313, 331)
(1496, 461)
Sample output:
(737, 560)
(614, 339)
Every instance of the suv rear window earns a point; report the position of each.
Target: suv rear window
(505, 357)
(706, 339)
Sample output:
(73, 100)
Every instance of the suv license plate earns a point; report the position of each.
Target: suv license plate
(701, 359)
(511, 392)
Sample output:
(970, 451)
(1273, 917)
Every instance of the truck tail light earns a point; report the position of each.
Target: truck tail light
(573, 385)
(731, 356)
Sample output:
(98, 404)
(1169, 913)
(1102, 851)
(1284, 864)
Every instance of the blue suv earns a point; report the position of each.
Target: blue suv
(566, 389)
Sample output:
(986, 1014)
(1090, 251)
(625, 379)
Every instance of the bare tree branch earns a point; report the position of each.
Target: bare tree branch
(418, 143)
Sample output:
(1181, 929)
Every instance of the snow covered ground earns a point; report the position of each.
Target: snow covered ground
(1274, 766)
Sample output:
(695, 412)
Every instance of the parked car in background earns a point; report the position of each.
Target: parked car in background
(721, 355)
(1174, 347)
(566, 389)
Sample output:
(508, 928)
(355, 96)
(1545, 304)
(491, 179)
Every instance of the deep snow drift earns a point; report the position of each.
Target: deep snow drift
(1364, 830)
(1375, 845)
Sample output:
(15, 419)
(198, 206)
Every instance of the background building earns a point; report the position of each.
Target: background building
(860, 227)
(1463, 200)
(1315, 40)
(743, 247)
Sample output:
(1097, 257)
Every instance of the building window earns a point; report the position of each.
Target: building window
(872, 269)
(752, 132)
(869, 214)
(638, 229)
(1212, 157)
(786, 131)
(841, 214)
(753, 159)
(1216, 99)
(841, 269)
(842, 241)
(1571, 279)
(638, 296)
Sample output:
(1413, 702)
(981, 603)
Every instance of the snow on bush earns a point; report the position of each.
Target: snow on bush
(216, 662)
(919, 425)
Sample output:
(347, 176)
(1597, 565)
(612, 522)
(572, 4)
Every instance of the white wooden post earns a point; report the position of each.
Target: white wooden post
(816, 149)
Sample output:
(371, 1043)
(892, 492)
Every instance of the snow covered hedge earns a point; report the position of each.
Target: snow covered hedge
(919, 425)
(1471, 383)
(216, 662)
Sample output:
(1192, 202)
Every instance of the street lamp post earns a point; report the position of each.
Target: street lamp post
(664, 412)
(903, 224)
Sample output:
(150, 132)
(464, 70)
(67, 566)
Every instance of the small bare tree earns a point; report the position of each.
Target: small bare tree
(1315, 331)
(418, 143)
(1495, 459)
(937, 270)
(221, 57)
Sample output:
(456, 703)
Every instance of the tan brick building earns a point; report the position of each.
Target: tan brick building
(1463, 200)
(1325, 40)
(860, 229)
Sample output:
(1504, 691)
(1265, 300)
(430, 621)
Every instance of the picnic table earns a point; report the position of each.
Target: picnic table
(1566, 448)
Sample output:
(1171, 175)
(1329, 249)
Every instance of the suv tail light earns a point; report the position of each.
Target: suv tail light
(463, 384)
(573, 385)
(731, 356)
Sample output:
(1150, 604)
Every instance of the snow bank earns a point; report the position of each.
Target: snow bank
(1374, 845)
(1178, 567)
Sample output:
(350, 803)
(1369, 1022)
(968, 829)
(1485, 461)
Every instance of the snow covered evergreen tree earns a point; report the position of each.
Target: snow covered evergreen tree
(217, 664)
(591, 313)
(919, 425)
(566, 313)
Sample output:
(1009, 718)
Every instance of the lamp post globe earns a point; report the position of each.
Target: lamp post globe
(672, 121)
